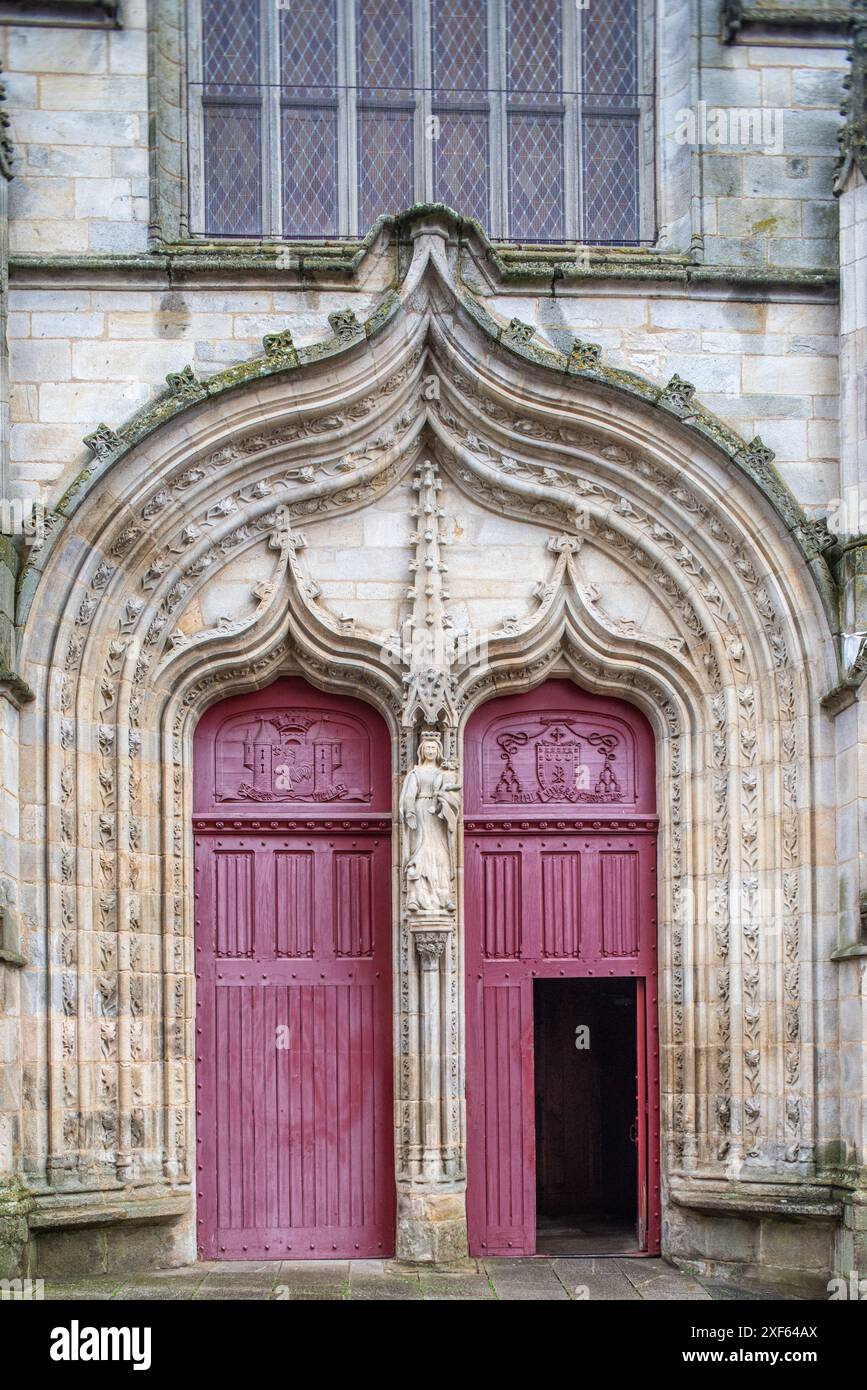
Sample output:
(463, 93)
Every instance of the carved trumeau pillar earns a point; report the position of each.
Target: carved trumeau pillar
(430, 944)
(431, 1215)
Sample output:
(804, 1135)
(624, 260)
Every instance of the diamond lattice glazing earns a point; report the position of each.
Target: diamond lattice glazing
(231, 43)
(535, 177)
(534, 49)
(461, 164)
(308, 48)
(309, 172)
(232, 171)
(385, 163)
(611, 180)
(610, 53)
(459, 50)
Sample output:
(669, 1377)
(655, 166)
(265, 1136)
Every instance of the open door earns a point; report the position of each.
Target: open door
(587, 1157)
(641, 1109)
(560, 907)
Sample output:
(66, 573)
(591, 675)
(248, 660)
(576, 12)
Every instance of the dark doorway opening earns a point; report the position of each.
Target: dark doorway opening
(586, 1095)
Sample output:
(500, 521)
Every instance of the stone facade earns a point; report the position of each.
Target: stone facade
(633, 458)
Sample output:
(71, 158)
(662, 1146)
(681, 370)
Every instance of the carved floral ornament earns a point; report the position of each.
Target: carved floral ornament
(132, 671)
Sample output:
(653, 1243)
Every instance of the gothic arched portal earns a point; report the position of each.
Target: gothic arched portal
(424, 519)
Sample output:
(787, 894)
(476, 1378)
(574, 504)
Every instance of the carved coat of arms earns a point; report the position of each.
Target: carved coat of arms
(564, 766)
(290, 757)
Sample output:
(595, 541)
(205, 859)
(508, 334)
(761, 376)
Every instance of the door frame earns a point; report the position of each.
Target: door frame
(269, 822)
(482, 822)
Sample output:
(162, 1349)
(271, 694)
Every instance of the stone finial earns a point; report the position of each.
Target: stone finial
(516, 331)
(585, 355)
(103, 442)
(678, 395)
(186, 385)
(817, 535)
(558, 544)
(280, 346)
(755, 456)
(345, 325)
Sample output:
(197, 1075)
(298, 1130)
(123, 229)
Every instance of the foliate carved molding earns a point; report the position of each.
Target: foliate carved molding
(428, 290)
(518, 332)
(279, 346)
(852, 135)
(7, 152)
(430, 945)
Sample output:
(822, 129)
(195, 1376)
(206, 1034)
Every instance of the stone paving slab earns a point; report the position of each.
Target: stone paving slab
(368, 1287)
(657, 1280)
(328, 1278)
(468, 1286)
(525, 1280)
(99, 1286)
(601, 1278)
(505, 1280)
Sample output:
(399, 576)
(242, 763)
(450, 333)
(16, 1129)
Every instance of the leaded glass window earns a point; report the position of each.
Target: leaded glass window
(310, 118)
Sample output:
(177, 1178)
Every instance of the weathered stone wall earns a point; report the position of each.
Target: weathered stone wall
(80, 129)
(83, 355)
(767, 200)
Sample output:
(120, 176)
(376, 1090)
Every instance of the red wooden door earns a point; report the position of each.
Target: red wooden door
(560, 883)
(293, 965)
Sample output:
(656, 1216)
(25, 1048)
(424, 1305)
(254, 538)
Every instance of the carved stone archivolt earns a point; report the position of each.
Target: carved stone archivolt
(123, 657)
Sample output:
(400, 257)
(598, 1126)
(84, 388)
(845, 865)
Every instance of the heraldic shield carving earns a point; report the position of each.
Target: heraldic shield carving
(558, 760)
(297, 755)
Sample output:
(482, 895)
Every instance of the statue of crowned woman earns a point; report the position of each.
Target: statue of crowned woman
(429, 810)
